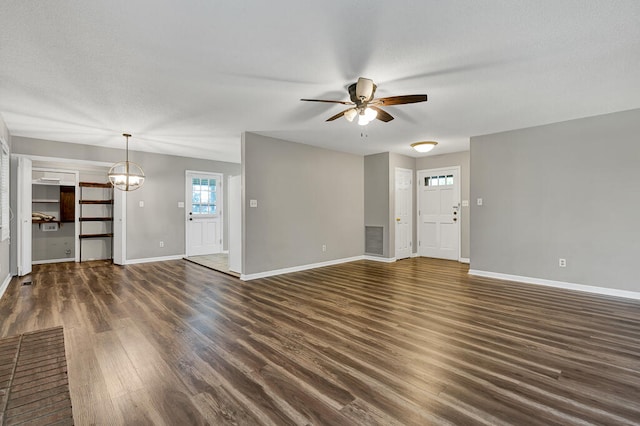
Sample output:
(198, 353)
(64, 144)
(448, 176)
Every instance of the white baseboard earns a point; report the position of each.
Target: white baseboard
(558, 284)
(414, 254)
(464, 260)
(225, 252)
(154, 259)
(379, 259)
(5, 285)
(248, 277)
(42, 262)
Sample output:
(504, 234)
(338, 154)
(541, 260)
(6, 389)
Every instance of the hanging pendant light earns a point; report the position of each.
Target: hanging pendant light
(126, 175)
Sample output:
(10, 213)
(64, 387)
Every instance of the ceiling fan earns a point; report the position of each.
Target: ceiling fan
(365, 106)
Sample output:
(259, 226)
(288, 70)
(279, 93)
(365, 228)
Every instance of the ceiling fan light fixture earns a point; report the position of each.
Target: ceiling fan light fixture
(425, 146)
(350, 114)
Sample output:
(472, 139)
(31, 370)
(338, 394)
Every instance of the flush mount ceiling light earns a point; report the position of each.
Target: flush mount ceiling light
(424, 146)
(126, 175)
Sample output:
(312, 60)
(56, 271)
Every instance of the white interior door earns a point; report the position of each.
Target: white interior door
(439, 213)
(203, 213)
(24, 214)
(404, 217)
(234, 211)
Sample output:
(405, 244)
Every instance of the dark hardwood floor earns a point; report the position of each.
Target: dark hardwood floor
(416, 342)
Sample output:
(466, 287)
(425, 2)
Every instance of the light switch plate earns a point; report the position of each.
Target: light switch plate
(181, 204)
(253, 203)
(479, 201)
(465, 203)
(141, 203)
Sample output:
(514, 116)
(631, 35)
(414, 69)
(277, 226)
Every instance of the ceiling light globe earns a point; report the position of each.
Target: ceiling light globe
(350, 114)
(363, 120)
(370, 113)
(126, 176)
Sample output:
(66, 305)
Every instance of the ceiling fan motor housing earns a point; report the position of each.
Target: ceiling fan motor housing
(365, 89)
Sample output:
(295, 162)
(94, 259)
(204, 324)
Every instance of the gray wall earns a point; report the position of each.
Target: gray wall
(447, 160)
(4, 245)
(376, 194)
(307, 197)
(566, 190)
(160, 219)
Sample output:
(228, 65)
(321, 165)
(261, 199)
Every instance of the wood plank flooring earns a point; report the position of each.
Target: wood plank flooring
(416, 342)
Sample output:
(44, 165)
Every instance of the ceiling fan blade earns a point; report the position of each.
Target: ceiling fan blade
(382, 115)
(400, 100)
(338, 115)
(331, 102)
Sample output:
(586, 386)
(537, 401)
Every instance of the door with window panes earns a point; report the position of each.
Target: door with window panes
(203, 213)
(439, 213)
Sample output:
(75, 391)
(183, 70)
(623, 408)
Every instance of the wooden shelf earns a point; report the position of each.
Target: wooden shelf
(96, 201)
(96, 185)
(45, 221)
(107, 235)
(101, 190)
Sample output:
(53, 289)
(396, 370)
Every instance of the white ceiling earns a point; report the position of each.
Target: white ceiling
(186, 78)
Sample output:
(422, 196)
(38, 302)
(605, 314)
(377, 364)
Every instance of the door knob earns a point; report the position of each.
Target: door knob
(397, 219)
(190, 218)
(455, 219)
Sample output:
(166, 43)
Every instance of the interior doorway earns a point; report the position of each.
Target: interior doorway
(439, 213)
(47, 213)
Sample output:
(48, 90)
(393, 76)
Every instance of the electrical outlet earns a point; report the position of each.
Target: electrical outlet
(161, 243)
(324, 247)
(562, 263)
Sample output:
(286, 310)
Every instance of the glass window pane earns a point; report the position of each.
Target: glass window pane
(441, 180)
(426, 181)
(449, 179)
(434, 180)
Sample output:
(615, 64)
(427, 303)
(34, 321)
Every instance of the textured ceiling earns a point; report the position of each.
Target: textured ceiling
(186, 78)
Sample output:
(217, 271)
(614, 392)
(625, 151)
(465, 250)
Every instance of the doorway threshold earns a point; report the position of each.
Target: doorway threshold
(217, 262)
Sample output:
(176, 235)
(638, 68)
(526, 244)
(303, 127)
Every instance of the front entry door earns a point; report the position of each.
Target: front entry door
(404, 218)
(439, 213)
(203, 213)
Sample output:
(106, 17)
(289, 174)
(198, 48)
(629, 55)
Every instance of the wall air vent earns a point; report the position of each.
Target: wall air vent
(374, 240)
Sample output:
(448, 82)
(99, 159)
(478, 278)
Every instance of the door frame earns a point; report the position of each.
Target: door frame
(459, 188)
(74, 164)
(21, 259)
(220, 205)
(395, 210)
(76, 173)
